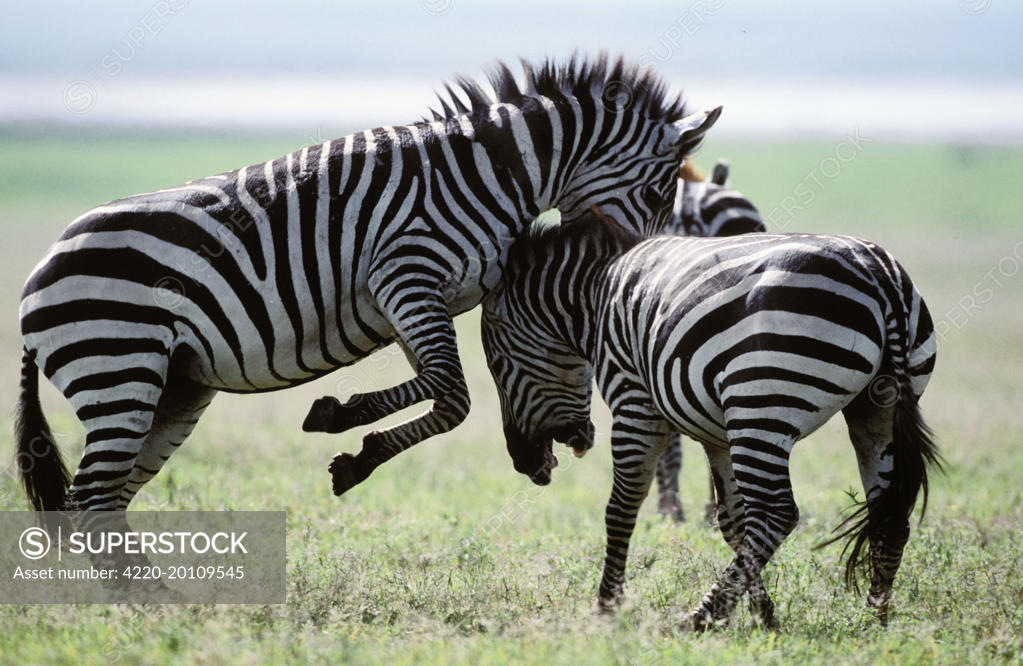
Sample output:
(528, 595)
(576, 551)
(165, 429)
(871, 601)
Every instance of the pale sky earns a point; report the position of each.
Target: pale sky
(905, 67)
(933, 38)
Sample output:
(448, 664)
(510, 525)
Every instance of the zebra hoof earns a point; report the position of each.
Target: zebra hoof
(321, 415)
(670, 508)
(327, 414)
(879, 603)
(710, 515)
(697, 621)
(676, 515)
(608, 606)
(763, 614)
(342, 470)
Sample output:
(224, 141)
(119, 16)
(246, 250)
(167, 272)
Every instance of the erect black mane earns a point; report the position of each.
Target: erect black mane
(615, 83)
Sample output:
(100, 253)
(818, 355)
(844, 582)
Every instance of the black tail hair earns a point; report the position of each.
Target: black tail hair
(913, 450)
(43, 472)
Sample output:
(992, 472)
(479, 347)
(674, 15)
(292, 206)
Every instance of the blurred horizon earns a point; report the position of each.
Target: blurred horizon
(949, 71)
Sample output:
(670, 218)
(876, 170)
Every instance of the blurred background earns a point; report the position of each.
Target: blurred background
(902, 122)
(951, 69)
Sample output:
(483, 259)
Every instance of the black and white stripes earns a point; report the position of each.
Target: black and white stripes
(710, 208)
(746, 344)
(274, 274)
(703, 208)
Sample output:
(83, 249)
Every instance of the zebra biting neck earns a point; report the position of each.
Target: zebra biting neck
(761, 338)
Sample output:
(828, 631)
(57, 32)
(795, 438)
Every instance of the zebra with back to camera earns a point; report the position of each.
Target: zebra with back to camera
(746, 344)
(703, 207)
(286, 271)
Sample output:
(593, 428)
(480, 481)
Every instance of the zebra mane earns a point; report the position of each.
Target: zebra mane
(616, 84)
(592, 229)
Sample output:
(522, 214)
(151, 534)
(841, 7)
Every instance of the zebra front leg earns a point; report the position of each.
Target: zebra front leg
(427, 333)
(668, 467)
(330, 415)
(379, 446)
(760, 470)
(637, 441)
(425, 328)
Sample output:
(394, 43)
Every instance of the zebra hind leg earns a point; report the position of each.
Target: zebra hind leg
(761, 475)
(893, 448)
(179, 409)
(117, 408)
(710, 508)
(668, 467)
(731, 513)
(870, 429)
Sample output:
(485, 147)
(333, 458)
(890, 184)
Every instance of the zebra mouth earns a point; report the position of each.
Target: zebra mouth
(534, 455)
(542, 476)
(578, 437)
(550, 460)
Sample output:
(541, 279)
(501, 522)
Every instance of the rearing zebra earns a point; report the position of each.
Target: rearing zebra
(746, 344)
(275, 274)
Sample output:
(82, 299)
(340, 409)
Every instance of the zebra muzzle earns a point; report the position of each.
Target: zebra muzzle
(531, 456)
(578, 437)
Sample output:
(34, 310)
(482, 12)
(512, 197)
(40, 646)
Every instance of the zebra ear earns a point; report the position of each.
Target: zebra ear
(720, 175)
(686, 134)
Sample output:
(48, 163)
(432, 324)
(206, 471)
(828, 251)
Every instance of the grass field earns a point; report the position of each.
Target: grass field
(448, 555)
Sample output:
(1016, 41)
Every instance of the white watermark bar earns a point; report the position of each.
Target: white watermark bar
(161, 557)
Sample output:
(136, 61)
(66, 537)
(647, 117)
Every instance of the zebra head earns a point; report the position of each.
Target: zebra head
(584, 133)
(537, 326)
(632, 177)
(544, 386)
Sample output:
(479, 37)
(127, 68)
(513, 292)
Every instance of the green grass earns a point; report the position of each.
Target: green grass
(447, 555)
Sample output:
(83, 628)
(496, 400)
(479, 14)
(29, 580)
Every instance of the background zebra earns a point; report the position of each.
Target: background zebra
(703, 207)
(707, 207)
(746, 344)
(274, 274)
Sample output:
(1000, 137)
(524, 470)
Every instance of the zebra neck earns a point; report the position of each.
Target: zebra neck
(578, 281)
(533, 148)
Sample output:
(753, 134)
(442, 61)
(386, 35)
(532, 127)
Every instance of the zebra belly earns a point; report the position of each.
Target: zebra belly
(224, 342)
(284, 359)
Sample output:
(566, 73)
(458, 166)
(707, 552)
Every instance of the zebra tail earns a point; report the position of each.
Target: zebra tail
(43, 472)
(913, 451)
